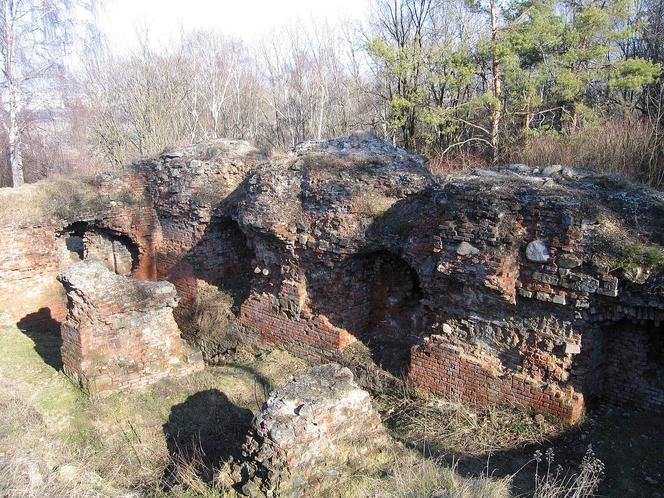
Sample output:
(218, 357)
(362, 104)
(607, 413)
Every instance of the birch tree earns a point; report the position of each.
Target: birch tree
(34, 35)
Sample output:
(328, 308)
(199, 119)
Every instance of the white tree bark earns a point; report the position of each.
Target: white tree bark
(9, 11)
(14, 137)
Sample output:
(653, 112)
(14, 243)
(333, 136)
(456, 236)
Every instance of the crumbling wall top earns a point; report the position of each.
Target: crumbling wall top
(92, 282)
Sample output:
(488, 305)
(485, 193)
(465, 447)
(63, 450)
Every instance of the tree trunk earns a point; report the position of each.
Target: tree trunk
(13, 98)
(14, 138)
(496, 114)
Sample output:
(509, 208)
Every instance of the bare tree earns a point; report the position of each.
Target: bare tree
(33, 37)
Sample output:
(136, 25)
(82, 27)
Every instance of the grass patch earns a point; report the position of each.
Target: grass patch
(128, 441)
(64, 198)
(643, 255)
(374, 204)
(326, 166)
(167, 440)
(443, 427)
(53, 198)
(214, 327)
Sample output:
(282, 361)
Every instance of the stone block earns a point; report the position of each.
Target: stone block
(537, 251)
(465, 249)
(320, 420)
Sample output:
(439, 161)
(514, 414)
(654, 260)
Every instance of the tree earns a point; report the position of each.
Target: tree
(34, 35)
(399, 46)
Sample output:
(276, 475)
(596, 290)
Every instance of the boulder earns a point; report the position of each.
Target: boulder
(466, 249)
(552, 170)
(316, 426)
(537, 251)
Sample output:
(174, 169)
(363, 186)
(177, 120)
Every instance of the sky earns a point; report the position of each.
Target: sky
(250, 19)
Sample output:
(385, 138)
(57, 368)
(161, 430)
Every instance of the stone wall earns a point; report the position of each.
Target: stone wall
(501, 285)
(120, 332)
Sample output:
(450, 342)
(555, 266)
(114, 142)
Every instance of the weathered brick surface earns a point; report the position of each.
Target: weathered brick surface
(452, 262)
(311, 335)
(512, 275)
(34, 253)
(120, 332)
(200, 241)
(448, 370)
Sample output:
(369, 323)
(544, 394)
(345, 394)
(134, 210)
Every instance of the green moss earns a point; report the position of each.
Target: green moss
(647, 256)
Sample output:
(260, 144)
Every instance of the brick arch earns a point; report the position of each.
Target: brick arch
(118, 251)
(375, 297)
(221, 258)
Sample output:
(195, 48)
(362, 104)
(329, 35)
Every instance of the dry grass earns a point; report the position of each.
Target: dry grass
(625, 146)
(416, 477)
(442, 426)
(32, 463)
(552, 482)
(455, 163)
(55, 442)
(214, 327)
(373, 204)
(408, 475)
(325, 166)
(157, 442)
(37, 202)
(58, 197)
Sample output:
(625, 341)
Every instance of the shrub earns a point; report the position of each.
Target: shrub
(451, 163)
(214, 327)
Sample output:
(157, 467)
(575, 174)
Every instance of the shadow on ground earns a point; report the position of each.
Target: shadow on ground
(205, 430)
(628, 443)
(44, 331)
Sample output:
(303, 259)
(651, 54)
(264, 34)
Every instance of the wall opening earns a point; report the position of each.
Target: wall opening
(213, 282)
(116, 250)
(75, 246)
(633, 361)
(393, 321)
(223, 258)
(376, 297)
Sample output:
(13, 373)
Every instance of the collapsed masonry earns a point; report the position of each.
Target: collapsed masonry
(120, 332)
(541, 288)
(308, 432)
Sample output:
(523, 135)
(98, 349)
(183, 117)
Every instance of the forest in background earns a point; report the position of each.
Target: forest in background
(467, 83)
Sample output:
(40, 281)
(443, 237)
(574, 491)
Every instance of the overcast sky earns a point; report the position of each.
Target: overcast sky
(249, 19)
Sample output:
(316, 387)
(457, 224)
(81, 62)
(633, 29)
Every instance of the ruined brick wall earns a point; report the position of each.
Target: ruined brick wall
(312, 336)
(201, 244)
(35, 251)
(31, 258)
(320, 420)
(120, 332)
(496, 286)
(481, 380)
(496, 280)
